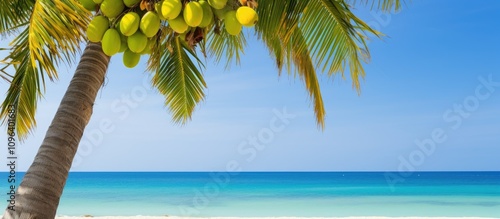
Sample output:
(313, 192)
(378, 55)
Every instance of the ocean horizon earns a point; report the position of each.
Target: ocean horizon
(281, 194)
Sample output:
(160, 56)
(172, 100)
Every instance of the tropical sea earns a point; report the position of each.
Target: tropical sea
(280, 194)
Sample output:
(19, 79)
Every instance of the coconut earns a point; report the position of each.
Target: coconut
(109, 42)
(221, 13)
(231, 23)
(217, 4)
(130, 3)
(149, 46)
(158, 10)
(150, 24)
(97, 28)
(112, 8)
(137, 42)
(129, 23)
(193, 14)
(170, 9)
(178, 24)
(88, 4)
(246, 16)
(131, 59)
(208, 15)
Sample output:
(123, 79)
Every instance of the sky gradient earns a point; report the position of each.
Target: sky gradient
(430, 101)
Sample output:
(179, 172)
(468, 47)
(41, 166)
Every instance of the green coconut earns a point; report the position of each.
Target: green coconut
(232, 24)
(150, 24)
(158, 10)
(208, 15)
(97, 27)
(217, 4)
(149, 47)
(130, 3)
(88, 4)
(171, 9)
(178, 24)
(112, 8)
(137, 42)
(129, 23)
(110, 45)
(221, 13)
(193, 14)
(131, 59)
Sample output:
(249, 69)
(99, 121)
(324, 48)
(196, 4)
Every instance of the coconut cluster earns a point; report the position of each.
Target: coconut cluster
(132, 26)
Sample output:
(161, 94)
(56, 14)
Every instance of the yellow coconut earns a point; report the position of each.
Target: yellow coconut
(231, 23)
(208, 15)
(193, 14)
(112, 8)
(98, 1)
(178, 24)
(170, 9)
(88, 4)
(137, 42)
(217, 4)
(130, 3)
(129, 23)
(150, 24)
(158, 10)
(246, 16)
(97, 28)
(131, 59)
(110, 42)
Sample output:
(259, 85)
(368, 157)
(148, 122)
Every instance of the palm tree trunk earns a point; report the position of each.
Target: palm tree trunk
(41, 188)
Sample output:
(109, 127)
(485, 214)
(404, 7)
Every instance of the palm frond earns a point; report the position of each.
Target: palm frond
(3, 70)
(23, 93)
(307, 73)
(306, 37)
(279, 29)
(277, 21)
(383, 5)
(336, 38)
(52, 36)
(179, 79)
(13, 14)
(56, 30)
(225, 45)
(157, 51)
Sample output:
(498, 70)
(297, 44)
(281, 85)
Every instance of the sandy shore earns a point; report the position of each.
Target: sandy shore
(173, 217)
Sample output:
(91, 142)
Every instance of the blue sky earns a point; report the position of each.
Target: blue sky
(430, 101)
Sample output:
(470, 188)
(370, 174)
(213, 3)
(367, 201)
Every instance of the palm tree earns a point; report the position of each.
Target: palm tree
(304, 37)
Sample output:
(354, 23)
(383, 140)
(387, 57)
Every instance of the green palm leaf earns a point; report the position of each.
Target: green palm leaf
(384, 5)
(225, 45)
(52, 36)
(179, 79)
(13, 14)
(336, 38)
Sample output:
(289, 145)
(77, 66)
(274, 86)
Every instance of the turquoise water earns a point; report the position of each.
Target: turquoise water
(282, 194)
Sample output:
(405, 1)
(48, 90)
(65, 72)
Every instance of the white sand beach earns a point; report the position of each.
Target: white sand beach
(175, 217)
